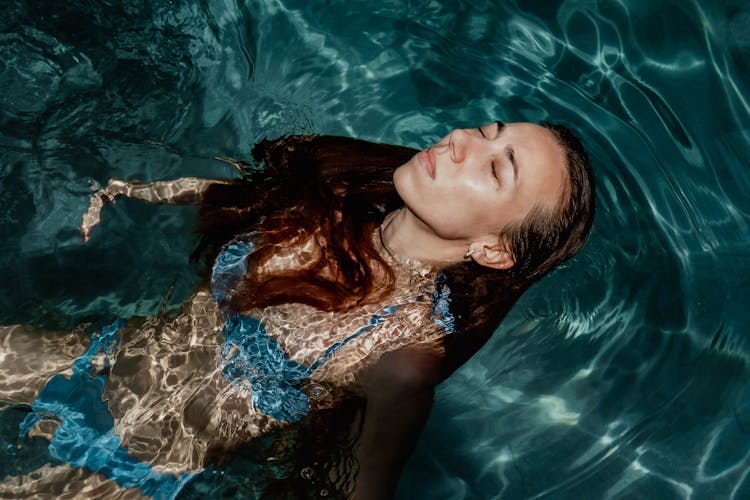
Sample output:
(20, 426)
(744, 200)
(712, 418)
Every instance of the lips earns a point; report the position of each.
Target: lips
(427, 158)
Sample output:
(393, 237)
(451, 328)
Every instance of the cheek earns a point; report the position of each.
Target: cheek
(478, 213)
(452, 219)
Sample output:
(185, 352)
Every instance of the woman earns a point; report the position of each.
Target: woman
(333, 275)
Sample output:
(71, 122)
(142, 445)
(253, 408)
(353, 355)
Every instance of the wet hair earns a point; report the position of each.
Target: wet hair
(547, 237)
(338, 190)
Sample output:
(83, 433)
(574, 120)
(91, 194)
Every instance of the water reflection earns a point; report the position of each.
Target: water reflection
(623, 374)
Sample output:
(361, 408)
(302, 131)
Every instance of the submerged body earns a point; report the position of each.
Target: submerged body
(345, 275)
(181, 390)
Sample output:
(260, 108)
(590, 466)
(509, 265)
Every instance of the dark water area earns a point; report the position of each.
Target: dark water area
(623, 374)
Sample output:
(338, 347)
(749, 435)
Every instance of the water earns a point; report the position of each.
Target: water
(624, 374)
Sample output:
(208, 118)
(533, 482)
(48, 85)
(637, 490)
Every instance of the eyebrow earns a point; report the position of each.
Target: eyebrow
(500, 128)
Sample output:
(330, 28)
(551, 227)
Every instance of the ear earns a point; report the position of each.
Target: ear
(494, 254)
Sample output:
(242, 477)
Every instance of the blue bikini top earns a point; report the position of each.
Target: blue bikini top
(250, 357)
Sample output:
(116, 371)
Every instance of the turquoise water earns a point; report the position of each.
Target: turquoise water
(624, 374)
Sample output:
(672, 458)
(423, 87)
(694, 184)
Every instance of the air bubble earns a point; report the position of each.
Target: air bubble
(307, 473)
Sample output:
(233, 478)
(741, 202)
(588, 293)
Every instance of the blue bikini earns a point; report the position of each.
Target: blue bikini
(249, 357)
(85, 436)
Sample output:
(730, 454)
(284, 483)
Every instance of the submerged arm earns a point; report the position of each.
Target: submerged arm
(183, 191)
(400, 390)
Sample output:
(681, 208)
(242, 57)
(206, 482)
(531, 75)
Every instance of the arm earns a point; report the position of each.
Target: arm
(399, 389)
(183, 191)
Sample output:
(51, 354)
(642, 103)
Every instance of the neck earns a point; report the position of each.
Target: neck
(407, 237)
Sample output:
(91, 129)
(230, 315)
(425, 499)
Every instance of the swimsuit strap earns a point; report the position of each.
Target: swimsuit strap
(374, 321)
(230, 266)
(251, 357)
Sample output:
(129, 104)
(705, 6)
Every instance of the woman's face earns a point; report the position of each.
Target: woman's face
(475, 182)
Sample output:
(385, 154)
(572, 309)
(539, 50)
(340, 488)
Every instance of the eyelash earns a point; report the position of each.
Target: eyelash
(492, 163)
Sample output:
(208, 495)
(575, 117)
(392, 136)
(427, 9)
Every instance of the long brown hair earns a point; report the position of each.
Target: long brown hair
(338, 190)
(334, 189)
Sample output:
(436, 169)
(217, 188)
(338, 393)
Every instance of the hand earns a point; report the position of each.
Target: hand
(115, 188)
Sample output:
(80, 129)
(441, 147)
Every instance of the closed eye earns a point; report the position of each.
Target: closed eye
(511, 154)
(492, 163)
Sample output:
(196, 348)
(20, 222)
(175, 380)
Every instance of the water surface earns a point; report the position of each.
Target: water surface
(624, 374)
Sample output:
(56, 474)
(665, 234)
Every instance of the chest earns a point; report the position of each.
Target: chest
(312, 337)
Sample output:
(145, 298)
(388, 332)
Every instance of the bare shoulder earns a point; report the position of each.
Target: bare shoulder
(408, 369)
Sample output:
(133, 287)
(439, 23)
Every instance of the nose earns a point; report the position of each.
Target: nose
(460, 145)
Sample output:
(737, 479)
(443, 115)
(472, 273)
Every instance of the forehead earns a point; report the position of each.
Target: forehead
(541, 159)
(535, 140)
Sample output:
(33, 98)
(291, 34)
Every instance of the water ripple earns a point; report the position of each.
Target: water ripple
(629, 364)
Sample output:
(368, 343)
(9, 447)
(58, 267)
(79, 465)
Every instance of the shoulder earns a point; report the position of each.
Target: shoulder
(411, 357)
(406, 370)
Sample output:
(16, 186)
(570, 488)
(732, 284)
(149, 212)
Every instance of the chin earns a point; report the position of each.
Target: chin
(402, 181)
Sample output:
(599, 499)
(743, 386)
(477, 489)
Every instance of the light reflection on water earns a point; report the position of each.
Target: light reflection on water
(622, 374)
